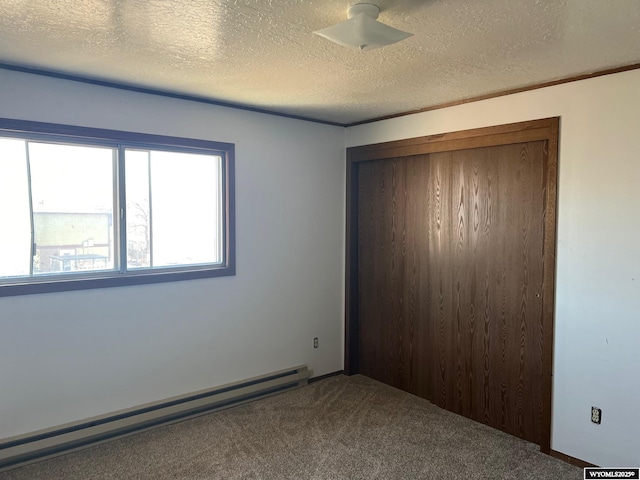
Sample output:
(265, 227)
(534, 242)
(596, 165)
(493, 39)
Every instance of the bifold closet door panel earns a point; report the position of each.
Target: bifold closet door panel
(393, 293)
(485, 266)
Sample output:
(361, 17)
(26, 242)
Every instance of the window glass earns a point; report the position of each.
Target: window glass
(138, 214)
(185, 208)
(73, 196)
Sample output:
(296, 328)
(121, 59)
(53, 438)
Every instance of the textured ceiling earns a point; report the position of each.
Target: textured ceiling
(263, 53)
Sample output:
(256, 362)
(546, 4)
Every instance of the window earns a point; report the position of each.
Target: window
(88, 208)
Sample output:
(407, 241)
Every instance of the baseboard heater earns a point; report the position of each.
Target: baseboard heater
(37, 445)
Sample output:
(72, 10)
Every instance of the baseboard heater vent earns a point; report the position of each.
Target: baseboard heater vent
(34, 446)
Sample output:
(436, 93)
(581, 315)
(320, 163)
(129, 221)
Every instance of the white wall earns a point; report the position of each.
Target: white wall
(597, 325)
(69, 356)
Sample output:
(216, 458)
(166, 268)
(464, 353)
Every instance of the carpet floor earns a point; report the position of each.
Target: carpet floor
(337, 428)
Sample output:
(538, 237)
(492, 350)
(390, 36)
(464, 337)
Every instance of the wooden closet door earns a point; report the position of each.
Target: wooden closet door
(393, 274)
(450, 272)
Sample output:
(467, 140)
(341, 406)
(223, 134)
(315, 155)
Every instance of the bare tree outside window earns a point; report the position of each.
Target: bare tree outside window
(138, 234)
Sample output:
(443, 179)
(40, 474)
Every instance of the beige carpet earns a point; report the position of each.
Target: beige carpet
(340, 427)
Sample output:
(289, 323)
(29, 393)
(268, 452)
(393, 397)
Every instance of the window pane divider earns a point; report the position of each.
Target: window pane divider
(31, 220)
(150, 211)
(121, 222)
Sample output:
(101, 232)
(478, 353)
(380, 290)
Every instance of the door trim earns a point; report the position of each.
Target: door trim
(536, 130)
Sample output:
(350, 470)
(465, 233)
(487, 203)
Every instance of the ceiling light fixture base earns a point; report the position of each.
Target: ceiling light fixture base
(369, 9)
(362, 31)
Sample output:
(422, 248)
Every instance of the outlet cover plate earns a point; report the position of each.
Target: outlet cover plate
(596, 415)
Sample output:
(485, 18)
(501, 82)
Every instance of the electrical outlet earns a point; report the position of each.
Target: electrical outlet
(315, 342)
(596, 415)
